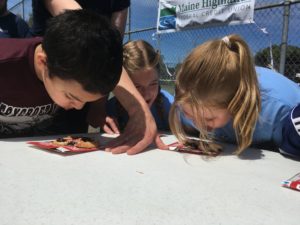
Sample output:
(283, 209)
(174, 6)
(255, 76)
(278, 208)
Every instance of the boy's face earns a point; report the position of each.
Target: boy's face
(147, 83)
(213, 117)
(68, 94)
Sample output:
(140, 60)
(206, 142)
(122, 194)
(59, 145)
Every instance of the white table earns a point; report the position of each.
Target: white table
(153, 188)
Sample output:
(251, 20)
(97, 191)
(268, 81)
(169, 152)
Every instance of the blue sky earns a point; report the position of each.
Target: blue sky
(175, 46)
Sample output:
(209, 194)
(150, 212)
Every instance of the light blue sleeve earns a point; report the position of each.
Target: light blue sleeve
(278, 96)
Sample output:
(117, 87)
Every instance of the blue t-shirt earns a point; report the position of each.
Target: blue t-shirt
(278, 95)
(161, 119)
(13, 26)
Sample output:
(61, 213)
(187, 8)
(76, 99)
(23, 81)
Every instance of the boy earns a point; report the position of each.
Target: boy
(78, 61)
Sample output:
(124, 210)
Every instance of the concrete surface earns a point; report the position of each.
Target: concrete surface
(153, 188)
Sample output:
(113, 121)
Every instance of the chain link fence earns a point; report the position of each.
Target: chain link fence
(276, 27)
(274, 38)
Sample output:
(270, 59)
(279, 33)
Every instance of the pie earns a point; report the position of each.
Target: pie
(79, 142)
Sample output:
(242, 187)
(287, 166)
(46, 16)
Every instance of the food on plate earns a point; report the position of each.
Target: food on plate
(79, 142)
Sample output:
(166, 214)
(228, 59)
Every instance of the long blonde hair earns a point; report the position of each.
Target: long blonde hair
(219, 73)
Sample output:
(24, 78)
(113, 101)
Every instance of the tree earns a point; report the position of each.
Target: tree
(30, 20)
(292, 64)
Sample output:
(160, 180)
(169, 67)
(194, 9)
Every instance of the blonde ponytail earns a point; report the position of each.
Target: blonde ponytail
(221, 74)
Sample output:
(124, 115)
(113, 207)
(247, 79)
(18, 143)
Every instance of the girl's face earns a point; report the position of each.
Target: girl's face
(147, 83)
(213, 117)
(68, 94)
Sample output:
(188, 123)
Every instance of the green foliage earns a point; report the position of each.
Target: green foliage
(292, 64)
(30, 20)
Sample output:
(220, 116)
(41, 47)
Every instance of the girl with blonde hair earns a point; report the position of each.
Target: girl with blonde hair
(142, 63)
(228, 99)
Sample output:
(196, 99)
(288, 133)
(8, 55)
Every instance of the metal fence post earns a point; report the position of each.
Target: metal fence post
(23, 10)
(284, 37)
(129, 23)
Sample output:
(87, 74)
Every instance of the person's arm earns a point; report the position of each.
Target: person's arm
(119, 19)
(141, 129)
(56, 7)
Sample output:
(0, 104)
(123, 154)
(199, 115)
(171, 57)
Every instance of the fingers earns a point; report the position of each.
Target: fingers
(107, 129)
(123, 143)
(160, 144)
(139, 133)
(131, 146)
(111, 126)
(136, 148)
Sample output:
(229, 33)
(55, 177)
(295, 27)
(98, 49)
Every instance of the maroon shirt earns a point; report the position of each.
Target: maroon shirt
(25, 106)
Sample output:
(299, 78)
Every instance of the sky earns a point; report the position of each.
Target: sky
(175, 46)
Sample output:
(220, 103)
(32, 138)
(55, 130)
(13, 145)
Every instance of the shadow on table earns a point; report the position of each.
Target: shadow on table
(253, 153)
(248, 154)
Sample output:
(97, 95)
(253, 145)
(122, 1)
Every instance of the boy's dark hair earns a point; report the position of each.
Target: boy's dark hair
(82, 45)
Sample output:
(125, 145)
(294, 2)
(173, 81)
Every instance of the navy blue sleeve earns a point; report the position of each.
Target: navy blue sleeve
(291, 134)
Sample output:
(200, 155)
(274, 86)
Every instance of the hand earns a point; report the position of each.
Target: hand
(160, 144)
(139, 133)
(111, 126)
(140, 130)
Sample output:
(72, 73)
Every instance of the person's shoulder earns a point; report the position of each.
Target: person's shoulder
(263, 71)
(166, 94)
(168, 99)
(276, 85)
(17, 42)
(267, 75)
(17, 47)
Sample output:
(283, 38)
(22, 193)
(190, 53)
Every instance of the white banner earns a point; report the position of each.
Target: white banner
(177, 15)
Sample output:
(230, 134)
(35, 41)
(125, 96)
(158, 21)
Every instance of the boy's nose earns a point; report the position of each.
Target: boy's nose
(78, 105)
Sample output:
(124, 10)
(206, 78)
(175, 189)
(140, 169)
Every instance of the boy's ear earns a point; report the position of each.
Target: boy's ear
(42, 59)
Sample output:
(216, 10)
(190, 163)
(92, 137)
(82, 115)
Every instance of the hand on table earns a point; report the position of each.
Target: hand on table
(137, 136)
(111, 126)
